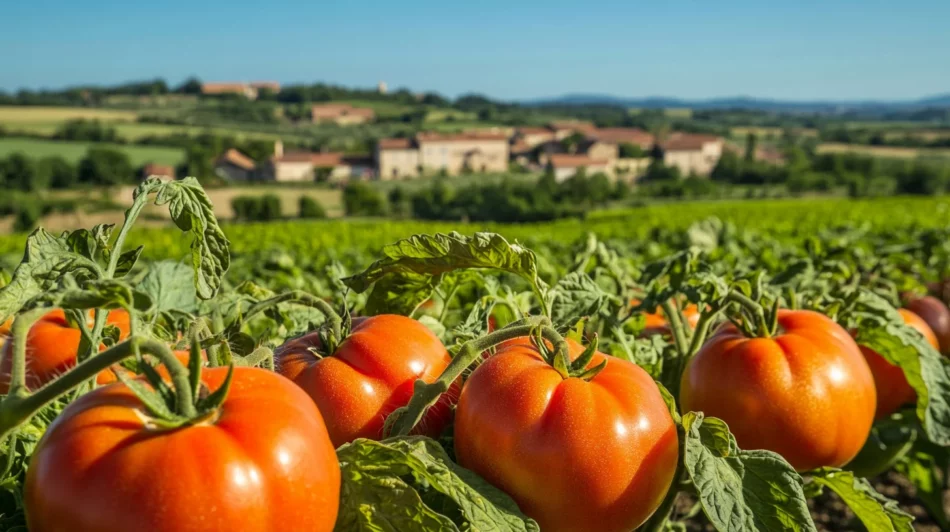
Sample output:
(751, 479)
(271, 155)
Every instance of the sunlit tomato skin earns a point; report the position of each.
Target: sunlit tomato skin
(805, 393)
(264, 462)
(51, 348)
(574, 455)
(893, 390)
(370, 375)
(936, 314)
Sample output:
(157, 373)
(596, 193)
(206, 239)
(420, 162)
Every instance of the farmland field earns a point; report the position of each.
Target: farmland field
(13, 115)
(883, 151)
(74, 151)
(571, 277)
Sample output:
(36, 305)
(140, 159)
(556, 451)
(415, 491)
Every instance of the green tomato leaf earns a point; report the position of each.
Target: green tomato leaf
(46, 259)
(742, 490)
(420, 262)
(926, 474)
(127, 261)
(887, 443)
(575, 296)
(393, 485)
(169, 285)
(876, 511)
(401, 293)
(191, 210)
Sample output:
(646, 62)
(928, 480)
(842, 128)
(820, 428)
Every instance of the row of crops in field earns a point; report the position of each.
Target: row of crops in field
(695, 366)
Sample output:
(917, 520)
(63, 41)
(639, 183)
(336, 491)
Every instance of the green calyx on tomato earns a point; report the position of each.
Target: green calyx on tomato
(559, 357)
(169, 407)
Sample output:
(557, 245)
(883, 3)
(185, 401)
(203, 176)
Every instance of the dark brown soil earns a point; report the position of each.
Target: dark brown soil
(831, 514)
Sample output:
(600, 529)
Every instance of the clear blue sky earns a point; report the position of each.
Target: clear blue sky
(503, 48)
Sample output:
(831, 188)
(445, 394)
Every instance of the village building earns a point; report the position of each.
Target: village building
(691, 153)
(436, 152)
(314, 166)
(341, 114)
(623, 135)
(233, 165)
(566, 165)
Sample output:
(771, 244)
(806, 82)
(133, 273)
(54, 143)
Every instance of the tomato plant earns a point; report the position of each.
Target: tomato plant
(103, 465)
(595, 452)
(459, 396)
(368, 375)
(805, 393)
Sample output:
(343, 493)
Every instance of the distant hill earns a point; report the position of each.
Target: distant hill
(747, 102)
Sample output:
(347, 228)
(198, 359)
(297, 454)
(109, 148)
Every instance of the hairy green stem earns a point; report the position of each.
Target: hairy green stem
(701, 332)
(304, 298)
(677, 328)
(426, 395)
(21, 330)
(16, 410)
(753, 308)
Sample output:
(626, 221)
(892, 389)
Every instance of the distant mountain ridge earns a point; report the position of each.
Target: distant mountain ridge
(746, 102)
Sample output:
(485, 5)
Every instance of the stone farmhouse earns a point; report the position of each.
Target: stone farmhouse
(693, 154)
(436, 152)
(249, 90)
(341, 114)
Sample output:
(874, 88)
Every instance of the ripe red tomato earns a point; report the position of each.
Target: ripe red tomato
(936, 314)
(262, 462)
(893, 390)
(806, 393)
(51, 348)
(574, 455)
(370, 375)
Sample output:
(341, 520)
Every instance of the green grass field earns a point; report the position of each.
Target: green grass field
(74, 151)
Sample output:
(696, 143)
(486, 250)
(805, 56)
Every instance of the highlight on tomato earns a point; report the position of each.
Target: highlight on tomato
(936, 315)
(806, 393)
(52, 346)
(893, 390)
(592, 451)
(370, 374)
(259, 461)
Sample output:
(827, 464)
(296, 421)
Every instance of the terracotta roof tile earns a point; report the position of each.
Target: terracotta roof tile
(688, 141)
(457, 137)
(316, 159)
(158, 169)
(618, 135)
(395, 144)
(563, 160)
(238, 159)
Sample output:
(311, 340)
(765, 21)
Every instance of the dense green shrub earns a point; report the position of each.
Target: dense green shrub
(311, 208)
(360, 199)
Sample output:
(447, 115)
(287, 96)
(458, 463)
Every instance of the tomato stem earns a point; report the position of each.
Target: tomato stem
(425, 395)
(676, 325)
(21, 330)
(754, 309)
(17, 409)
(334, 321)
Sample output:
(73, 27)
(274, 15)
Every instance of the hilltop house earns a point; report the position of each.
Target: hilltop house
(566, 165)
(342, 114)
(693, 154)
(248, 90)
(623, 135)
(233, 165)
(434, 152)
(311, 166)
